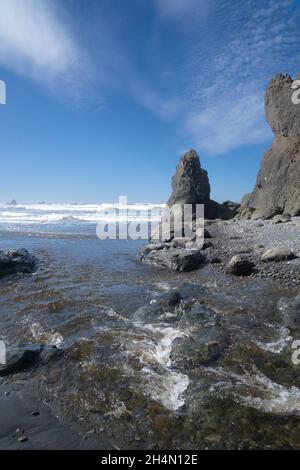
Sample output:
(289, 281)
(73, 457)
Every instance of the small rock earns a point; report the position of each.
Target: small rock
(278, 254)
(239, 266)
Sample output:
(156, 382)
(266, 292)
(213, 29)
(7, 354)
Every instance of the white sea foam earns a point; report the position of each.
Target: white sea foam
(84, 213)
(280, 342)
(154, 351)
(255, 390)
(39, 334)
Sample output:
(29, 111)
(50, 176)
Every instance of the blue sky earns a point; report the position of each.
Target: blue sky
(104, 95)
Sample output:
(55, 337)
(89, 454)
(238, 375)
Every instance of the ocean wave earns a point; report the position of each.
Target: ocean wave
(78, 213)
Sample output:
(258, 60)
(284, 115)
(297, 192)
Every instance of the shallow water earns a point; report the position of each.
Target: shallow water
(116, 377)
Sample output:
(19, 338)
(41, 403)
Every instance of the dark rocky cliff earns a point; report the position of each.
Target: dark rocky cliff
(277, 189)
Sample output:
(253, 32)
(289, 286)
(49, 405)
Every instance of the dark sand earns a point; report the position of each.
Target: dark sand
(18, 412)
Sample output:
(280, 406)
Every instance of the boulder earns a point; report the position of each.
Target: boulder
(277, 189)
(16, 261)
(178, 259)
(278, 254)
(239, 266)
(19, 357)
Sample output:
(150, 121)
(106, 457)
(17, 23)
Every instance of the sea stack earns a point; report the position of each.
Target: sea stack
(277, 189)
(190, 185)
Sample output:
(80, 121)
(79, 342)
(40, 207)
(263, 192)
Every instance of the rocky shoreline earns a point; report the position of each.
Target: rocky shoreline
(253, 240)
(248, 240)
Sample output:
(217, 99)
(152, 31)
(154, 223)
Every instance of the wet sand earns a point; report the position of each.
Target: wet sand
(28, 424)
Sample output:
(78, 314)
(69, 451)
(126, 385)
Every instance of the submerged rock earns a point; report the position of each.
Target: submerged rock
(19, 357)
(203, 338)
(277, 189)
(16, 261)
(198, 347)
(291, 312)
(161, 309)
(278, 254)
(156, 313)
(170, 298)
(239, 266)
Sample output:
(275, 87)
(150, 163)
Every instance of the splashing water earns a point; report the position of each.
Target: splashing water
(154, 351)
(255, 390)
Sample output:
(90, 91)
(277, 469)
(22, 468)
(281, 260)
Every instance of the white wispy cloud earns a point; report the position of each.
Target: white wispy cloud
(35, 42)
(226, 92)
(228, 124)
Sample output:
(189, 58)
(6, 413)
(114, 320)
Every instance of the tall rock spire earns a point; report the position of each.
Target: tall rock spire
(190, 185)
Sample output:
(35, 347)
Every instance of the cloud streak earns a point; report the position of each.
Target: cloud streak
(34, 42)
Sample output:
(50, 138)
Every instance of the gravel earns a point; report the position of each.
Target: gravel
(252, 238)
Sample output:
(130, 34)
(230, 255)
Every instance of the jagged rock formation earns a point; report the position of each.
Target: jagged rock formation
(190, 185)
(277, 189)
